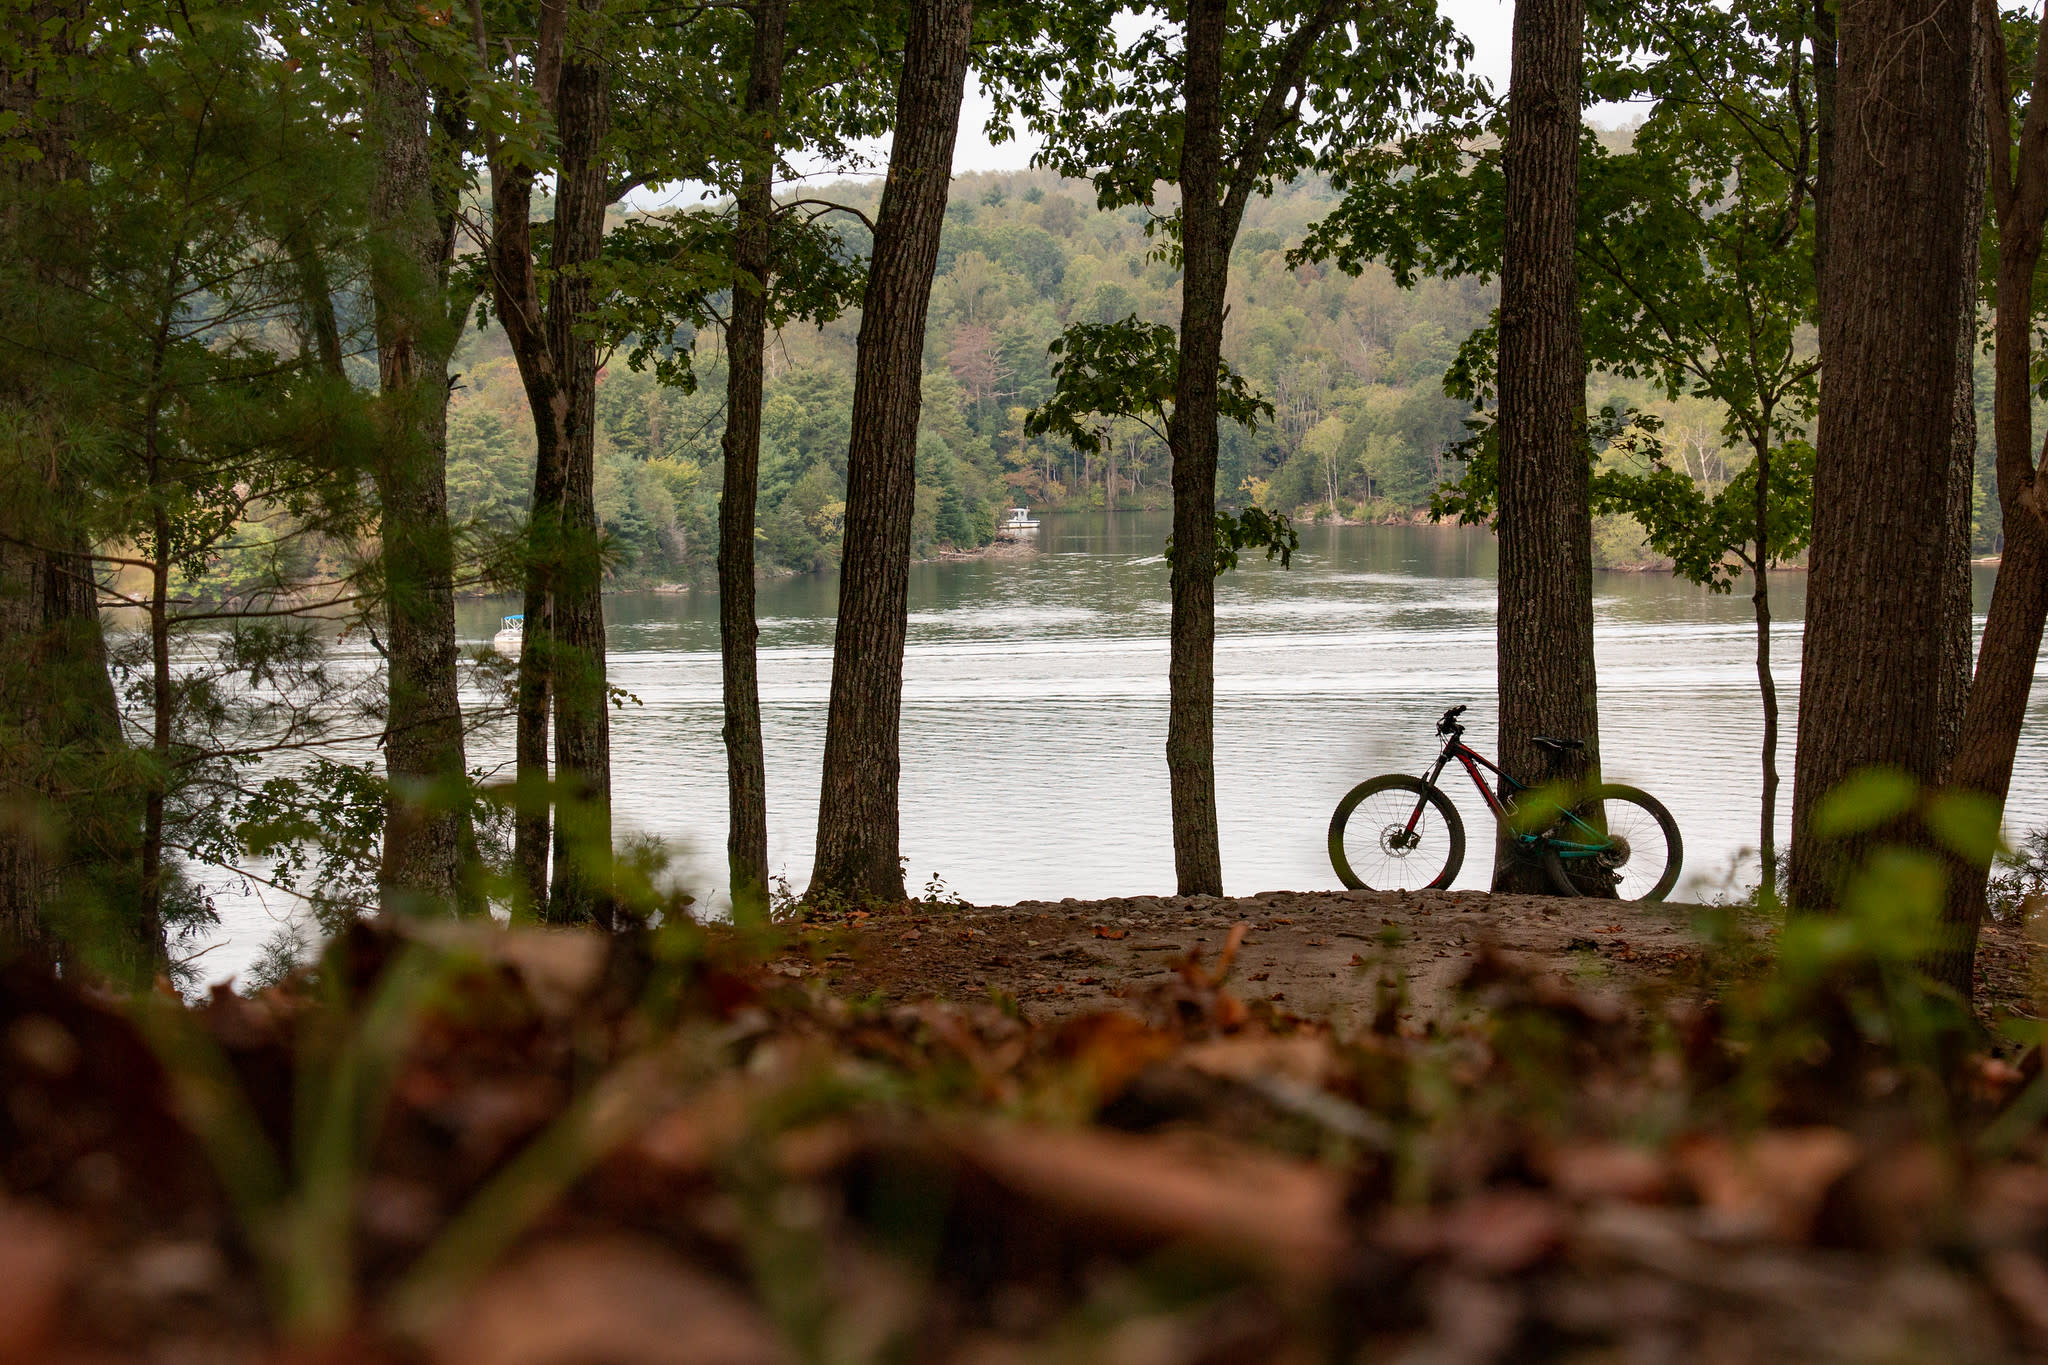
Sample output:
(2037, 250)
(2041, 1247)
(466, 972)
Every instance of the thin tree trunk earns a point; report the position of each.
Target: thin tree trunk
(424, 824)
(561, 662)
(858, 837)
(1545, 523)
(2006, 659)
(1766, 682)
(746, 340)
(1191, 666)
(581, 886)
(1892, 298)
(515, 291)
(163, 691)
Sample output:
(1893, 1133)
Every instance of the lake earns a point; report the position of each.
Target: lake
(1034, 717)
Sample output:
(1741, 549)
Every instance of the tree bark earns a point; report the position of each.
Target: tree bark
(1766, 680)
(1191, 433)
(746, 340)
(1545, 522)
(561, 662)
(581, 887)
(1957, 615)
(1826, 66)
(858, 837)
(1892, 299)
(1990, 731)
(68, 827)
(413, 224)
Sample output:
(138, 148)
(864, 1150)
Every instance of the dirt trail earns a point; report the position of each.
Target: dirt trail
(1306, 950)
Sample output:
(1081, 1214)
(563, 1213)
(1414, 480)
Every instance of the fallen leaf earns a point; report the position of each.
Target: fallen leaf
(1601, 1170)
(558, 967)
(2022, 1282)
(612, 1299)
(1505, 1232)
(1243, 1204)
(1771, 1186)
(1303, 1057)
(36, 1261)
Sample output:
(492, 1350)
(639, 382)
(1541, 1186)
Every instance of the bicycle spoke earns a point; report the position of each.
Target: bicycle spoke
(1396, 842)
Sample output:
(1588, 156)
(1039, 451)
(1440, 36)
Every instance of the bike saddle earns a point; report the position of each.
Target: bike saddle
(1557, 746)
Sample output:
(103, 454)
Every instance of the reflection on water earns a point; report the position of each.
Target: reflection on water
(1034, 718)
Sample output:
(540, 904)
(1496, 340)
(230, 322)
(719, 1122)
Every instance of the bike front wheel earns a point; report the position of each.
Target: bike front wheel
(1618, 842)
(1396, 833)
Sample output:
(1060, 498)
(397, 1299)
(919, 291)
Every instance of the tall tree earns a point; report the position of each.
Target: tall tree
(1697, 247)
(1893, 285)
(543, 296)
(417, 138)
(2011, 646)
(746, 840)
(1544, 520)
(858, 840)
(59, 725)
(1223, 101)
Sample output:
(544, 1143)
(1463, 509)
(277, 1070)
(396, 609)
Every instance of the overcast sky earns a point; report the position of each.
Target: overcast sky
(1485, 22)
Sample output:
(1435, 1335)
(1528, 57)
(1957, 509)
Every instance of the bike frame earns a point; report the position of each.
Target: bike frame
(1472, 760)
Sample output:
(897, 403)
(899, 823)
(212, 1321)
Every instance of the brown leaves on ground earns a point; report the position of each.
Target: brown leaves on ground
(639, 1150)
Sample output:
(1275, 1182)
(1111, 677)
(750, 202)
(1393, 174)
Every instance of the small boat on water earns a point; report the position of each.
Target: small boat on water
(1020, 521)
(511, 636)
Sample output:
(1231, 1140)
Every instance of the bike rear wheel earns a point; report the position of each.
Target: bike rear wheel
(1619, 842)
(1396, 833)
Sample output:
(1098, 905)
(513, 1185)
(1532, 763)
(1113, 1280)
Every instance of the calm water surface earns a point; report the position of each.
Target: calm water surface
(1034, 718)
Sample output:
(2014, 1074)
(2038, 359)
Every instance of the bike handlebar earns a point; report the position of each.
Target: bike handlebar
(1449, 724)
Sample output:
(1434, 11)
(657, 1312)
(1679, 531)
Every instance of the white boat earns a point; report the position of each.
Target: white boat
(1020, 521)
(510, 637)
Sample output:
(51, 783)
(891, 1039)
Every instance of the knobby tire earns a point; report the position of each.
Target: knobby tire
(1389, 864)
(1582, 876)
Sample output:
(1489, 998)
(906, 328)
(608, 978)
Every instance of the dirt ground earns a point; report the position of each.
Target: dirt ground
(1318, 953)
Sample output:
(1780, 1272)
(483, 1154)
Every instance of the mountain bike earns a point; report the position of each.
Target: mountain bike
(1401, 833)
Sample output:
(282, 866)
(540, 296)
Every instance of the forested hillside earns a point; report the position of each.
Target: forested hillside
(1353, 367)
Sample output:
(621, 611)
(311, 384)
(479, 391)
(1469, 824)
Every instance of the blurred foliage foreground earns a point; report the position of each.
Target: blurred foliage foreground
(456, 1143)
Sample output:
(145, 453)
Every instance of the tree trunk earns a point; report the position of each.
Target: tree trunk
(581, 886)
(561, 661)
(1191, 666)
(1545, 523)
(746, 341)
(857, 816)
(515, 291)
(1892, 300)
(414, 244)
(68, 827)
(1766, 681)
(1990, 731)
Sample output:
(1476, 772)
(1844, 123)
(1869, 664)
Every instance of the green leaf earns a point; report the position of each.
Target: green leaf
(1866, 800)
(1966, 823)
